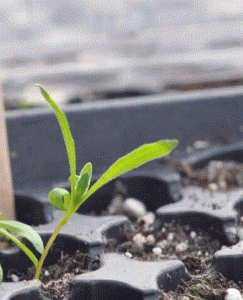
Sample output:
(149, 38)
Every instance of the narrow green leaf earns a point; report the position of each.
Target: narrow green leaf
(82, 185)
(59, 198)
(21, 230)
(1, 273)
(134, 159)
(87, 169)
(67, 136)
(81, 189)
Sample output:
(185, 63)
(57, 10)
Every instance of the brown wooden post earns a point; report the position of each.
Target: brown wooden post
(7, 207)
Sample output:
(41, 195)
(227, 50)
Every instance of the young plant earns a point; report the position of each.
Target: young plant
(15, 231)
(69, 202)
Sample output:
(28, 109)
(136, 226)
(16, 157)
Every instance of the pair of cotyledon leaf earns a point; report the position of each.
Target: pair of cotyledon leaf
(61, 198)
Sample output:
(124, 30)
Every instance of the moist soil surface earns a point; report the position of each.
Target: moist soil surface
(56, 279)
(194, 247)
(217, 175)
(210, 286)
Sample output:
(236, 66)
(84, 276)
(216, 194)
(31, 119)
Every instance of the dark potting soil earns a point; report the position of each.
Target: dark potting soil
(56, 279)
(217, 175)
(210, 286)
(195, 247)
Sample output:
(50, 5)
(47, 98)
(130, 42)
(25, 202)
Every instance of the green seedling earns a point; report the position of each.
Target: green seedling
(199, 291)
(15, 231)
(80, 191)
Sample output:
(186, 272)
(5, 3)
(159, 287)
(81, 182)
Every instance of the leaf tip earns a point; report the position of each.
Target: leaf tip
(89, 166)
(174, 143)
(42, 90)
(38, 86)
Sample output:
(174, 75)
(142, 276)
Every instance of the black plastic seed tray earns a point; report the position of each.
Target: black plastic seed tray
(103, 132)
(118, 276)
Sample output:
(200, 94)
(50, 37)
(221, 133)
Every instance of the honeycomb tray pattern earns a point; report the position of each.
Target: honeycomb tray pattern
(120, 277)
(103, 132)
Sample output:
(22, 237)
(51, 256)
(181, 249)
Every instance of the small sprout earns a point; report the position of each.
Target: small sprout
(69, 202)
(199, 291)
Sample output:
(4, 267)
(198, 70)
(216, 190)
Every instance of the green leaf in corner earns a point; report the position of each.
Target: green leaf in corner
(60, 198)
(20, 230)
(134, 159)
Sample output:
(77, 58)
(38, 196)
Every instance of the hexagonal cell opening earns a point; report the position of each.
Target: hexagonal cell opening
(27, 295)
(151, 191)
(105, 290)
(227, 153)
(15, 259)
(32, 211)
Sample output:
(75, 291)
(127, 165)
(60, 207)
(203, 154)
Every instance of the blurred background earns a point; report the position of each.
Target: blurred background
(93, 50)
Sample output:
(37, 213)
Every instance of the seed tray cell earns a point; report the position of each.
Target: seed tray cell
(102, 133)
